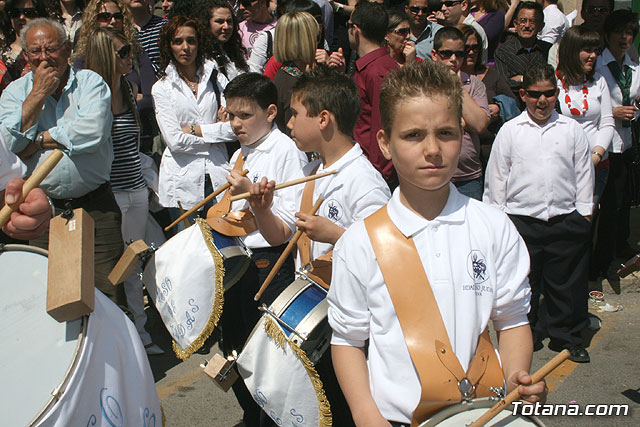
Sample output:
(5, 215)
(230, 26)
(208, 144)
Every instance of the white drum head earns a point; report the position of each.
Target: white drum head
(465, 413)
(38, 352)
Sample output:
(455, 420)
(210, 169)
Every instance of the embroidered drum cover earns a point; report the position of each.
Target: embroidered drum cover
(281, 378)
(184, 279)
(113, 384)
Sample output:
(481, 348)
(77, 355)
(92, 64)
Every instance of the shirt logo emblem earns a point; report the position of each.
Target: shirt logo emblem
(477, 266)
(256, 177)
(333, 210)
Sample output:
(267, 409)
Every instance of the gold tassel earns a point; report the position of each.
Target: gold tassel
(218, 301)
(274, 331)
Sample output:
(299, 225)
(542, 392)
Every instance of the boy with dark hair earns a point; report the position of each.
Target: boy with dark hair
(367, 28)
(325, 106)
(264, 151)
(449, 49)
(422, 356)
(540, 173)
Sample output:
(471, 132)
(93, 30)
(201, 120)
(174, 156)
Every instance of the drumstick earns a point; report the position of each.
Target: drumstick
(203, 202)
(514, 395)
(32, 182)
(286, 184)
(285, 253)
(186, 219)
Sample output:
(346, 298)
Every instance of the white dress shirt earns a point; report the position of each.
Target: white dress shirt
(351, 195)
(555, 24)
(621, 135)
(187, 157)
(361, 308)
(597, 122)
(540, 171)
(10, 167)
(276, 157)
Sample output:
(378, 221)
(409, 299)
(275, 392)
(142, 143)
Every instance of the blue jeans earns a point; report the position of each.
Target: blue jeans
(472, 188)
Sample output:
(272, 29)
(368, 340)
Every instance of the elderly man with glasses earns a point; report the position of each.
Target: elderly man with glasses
(422, 30)
(55, 106)
(521, 53)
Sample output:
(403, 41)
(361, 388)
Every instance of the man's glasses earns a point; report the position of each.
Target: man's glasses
(48, 51)
(417, 9)
(401, 31)
(450, 3)
(538, 93)
(247, 3)
(28, 12)
(603, 10)
(472, 47)
(107, 16)
(525, 21)
(124, 52)
(446, 54)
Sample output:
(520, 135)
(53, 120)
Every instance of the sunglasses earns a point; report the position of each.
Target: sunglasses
(446, 54)
(124, 52)
(472, 47)
(107, 16)
(28, 12)
(450, 3)
(538, 93)
(247, 3)
(401, 31)
(417, 9)
(597, 9)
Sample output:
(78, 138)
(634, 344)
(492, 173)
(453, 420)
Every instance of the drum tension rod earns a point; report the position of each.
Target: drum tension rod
(264, 308)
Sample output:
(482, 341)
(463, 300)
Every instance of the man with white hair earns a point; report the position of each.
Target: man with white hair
(55, 106)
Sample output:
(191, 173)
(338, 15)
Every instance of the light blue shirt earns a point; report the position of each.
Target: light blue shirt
(424, 43)
(80, 120)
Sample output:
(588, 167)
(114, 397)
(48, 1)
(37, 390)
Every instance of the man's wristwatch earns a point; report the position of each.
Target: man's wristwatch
(39, 140)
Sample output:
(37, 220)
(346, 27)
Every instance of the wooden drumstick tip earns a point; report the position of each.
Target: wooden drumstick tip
(515, 394)
(32, 182)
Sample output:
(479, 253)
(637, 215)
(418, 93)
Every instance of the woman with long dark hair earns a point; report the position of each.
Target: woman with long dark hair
(187, 101)
(19, 12)
(584, 96)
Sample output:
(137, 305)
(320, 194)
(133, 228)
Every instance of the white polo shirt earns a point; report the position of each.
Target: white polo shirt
(10, 166)
(354, 193)
(360, 307)
(276, 157)
(540, 171)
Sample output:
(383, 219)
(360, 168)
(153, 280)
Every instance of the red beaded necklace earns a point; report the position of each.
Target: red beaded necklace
(567, 98)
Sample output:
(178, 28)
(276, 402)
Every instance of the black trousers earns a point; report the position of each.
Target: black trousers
(613, 223)
(559, 250)
(240, 315)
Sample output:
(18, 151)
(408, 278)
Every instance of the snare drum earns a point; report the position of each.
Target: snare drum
(186, 279)
(465, 413)
(272, 363)
(301, 310)
(89, 371)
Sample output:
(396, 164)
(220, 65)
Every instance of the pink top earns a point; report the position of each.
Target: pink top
(249, 31)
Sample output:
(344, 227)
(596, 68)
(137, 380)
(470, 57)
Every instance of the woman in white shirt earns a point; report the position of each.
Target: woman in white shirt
(584, 96)
(187, 100)
(623, 78)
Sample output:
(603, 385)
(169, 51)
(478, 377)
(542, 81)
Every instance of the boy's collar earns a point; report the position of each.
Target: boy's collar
(410, 223)
(259, 144)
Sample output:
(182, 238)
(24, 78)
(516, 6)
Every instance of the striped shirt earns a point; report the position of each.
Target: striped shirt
(149, 38)
(512, 59)
(126, 172)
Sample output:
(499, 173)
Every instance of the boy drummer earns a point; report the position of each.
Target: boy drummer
(264, 151)
(426, 341)
(325, 106)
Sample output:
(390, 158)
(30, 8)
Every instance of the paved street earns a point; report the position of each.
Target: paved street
(190, 398)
